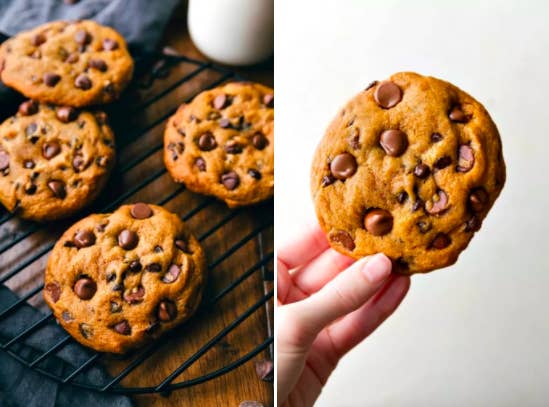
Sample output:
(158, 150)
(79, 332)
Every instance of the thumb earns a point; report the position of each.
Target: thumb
(347, 292)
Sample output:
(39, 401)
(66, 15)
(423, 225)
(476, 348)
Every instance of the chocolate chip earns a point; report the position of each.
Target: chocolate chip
(69, 243)
(354, 138)
(457, 115)
(58, 188)
(436, 137)
(4, 160)
(172, 274)
(442, 162)
(83, 82)
(30, 189)
(86, 330)
(109, 45)
(78, 162)
(67, 316)
(424, 226)
(181, 245)
(438, 204)
(220, 102)
(230, 180)
(98, 64)
(473, 224)
(85, 288)
(50, 149)
(200, 164)
(28, 108)
(158, 249)
(422, 171)
(141, 211)
(82, 37)
(123, 328)
(387, 94)
(393, 142)
(378, 222)
(255, 174)
(83, 238)
(51, 79)
(268, 100)
(102, 161)
(28, 164)
(224, 123)
(466, 158)
(31, 129)
(53, 290)
(327, 180)
(72, 58)
(343, 238)
(207, 142)
(154, 267)
(417, 204)
(66, 114)
(134, 295)
(38, 39)
(232, 147)
(135, 266)
(343, 166)
(167, 311)
(371, 85)
(441, 241)
(128, 239)
(478, 198)
(111, 277)
(265, 370)
(118, 287)
(260, 141)
(402, 196)
(115, 307)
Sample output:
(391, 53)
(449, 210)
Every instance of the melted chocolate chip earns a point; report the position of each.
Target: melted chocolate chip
(441, 241)
(387, 94)
(58, 188)
(85, 288)
(478, 199)
(167, 311)
(51, 79)
(378, 222)
(172, 274)
(154, 267)
(232, 147)
(141, 211)
(83, 82)
(128, 239)
(66, 114)
(4, 160)
(98, 64)
(72, 58)
(268, 100)
(402, 196)
(123, 328)
(327, 180)
(224, 123)
(457, 115)
(200, 164)
(442, 162)
(135, 266)
(83, 238)
(82, 37)
(230, 180)
(38, 39)
(109, 45)
(30, 189)
(343, 166)
(436, 137)
(422, 171)
(259, 141)
(393, 142)
(424, 226)
(438, 204)
(181, 245)
(50, 149)
(28, 108)
(466, 158)
(86, 330)
(255, 174)
(220, 102)
(28, 164)
(134, 295)
(53, 290)
(158, 249)
(207, 142)
(343, 238)
(78, 162)
(473, 224)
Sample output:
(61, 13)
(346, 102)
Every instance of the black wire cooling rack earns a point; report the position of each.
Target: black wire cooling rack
(24, 245)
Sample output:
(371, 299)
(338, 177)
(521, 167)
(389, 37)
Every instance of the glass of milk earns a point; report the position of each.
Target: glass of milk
(233, 32)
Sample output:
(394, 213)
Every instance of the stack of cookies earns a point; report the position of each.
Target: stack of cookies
(118, 280)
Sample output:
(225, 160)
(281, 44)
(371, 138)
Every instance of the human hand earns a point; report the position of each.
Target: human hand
(327, 304)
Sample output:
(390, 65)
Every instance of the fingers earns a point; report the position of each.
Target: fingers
(351, 330)
(303, 248)
(344, 294)
(319, 271)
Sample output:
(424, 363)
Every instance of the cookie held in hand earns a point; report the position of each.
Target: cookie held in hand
(119, 280)
(222, 143)
(410, 168)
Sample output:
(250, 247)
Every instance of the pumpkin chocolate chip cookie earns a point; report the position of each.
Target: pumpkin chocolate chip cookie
(116, 281)
(410, 167)
(221, 143)
(67, 63)
(53, 160)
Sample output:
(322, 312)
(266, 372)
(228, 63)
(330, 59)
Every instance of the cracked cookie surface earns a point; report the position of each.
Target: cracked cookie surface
(53, 160)
(410, 167)
(222, 143)
(67, 63)
(116, 281)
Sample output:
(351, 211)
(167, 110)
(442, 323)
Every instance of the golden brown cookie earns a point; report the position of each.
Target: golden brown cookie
(410, 168)
(75, 64)
(118, 280)
(53, 160)
(222, 143)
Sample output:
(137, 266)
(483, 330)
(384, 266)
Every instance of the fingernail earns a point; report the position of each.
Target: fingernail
(377, 269)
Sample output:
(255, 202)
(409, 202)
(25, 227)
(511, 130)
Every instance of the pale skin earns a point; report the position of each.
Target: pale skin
(327, 304)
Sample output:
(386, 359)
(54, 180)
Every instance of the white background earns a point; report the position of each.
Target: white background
(477, 333)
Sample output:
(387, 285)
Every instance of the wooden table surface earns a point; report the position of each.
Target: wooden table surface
(242, 383)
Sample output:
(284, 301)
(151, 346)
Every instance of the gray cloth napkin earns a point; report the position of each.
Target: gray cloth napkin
(142, 23)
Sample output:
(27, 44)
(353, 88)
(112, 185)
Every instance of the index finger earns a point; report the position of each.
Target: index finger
(303, 247)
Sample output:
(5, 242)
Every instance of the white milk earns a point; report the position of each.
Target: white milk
(233, 32)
